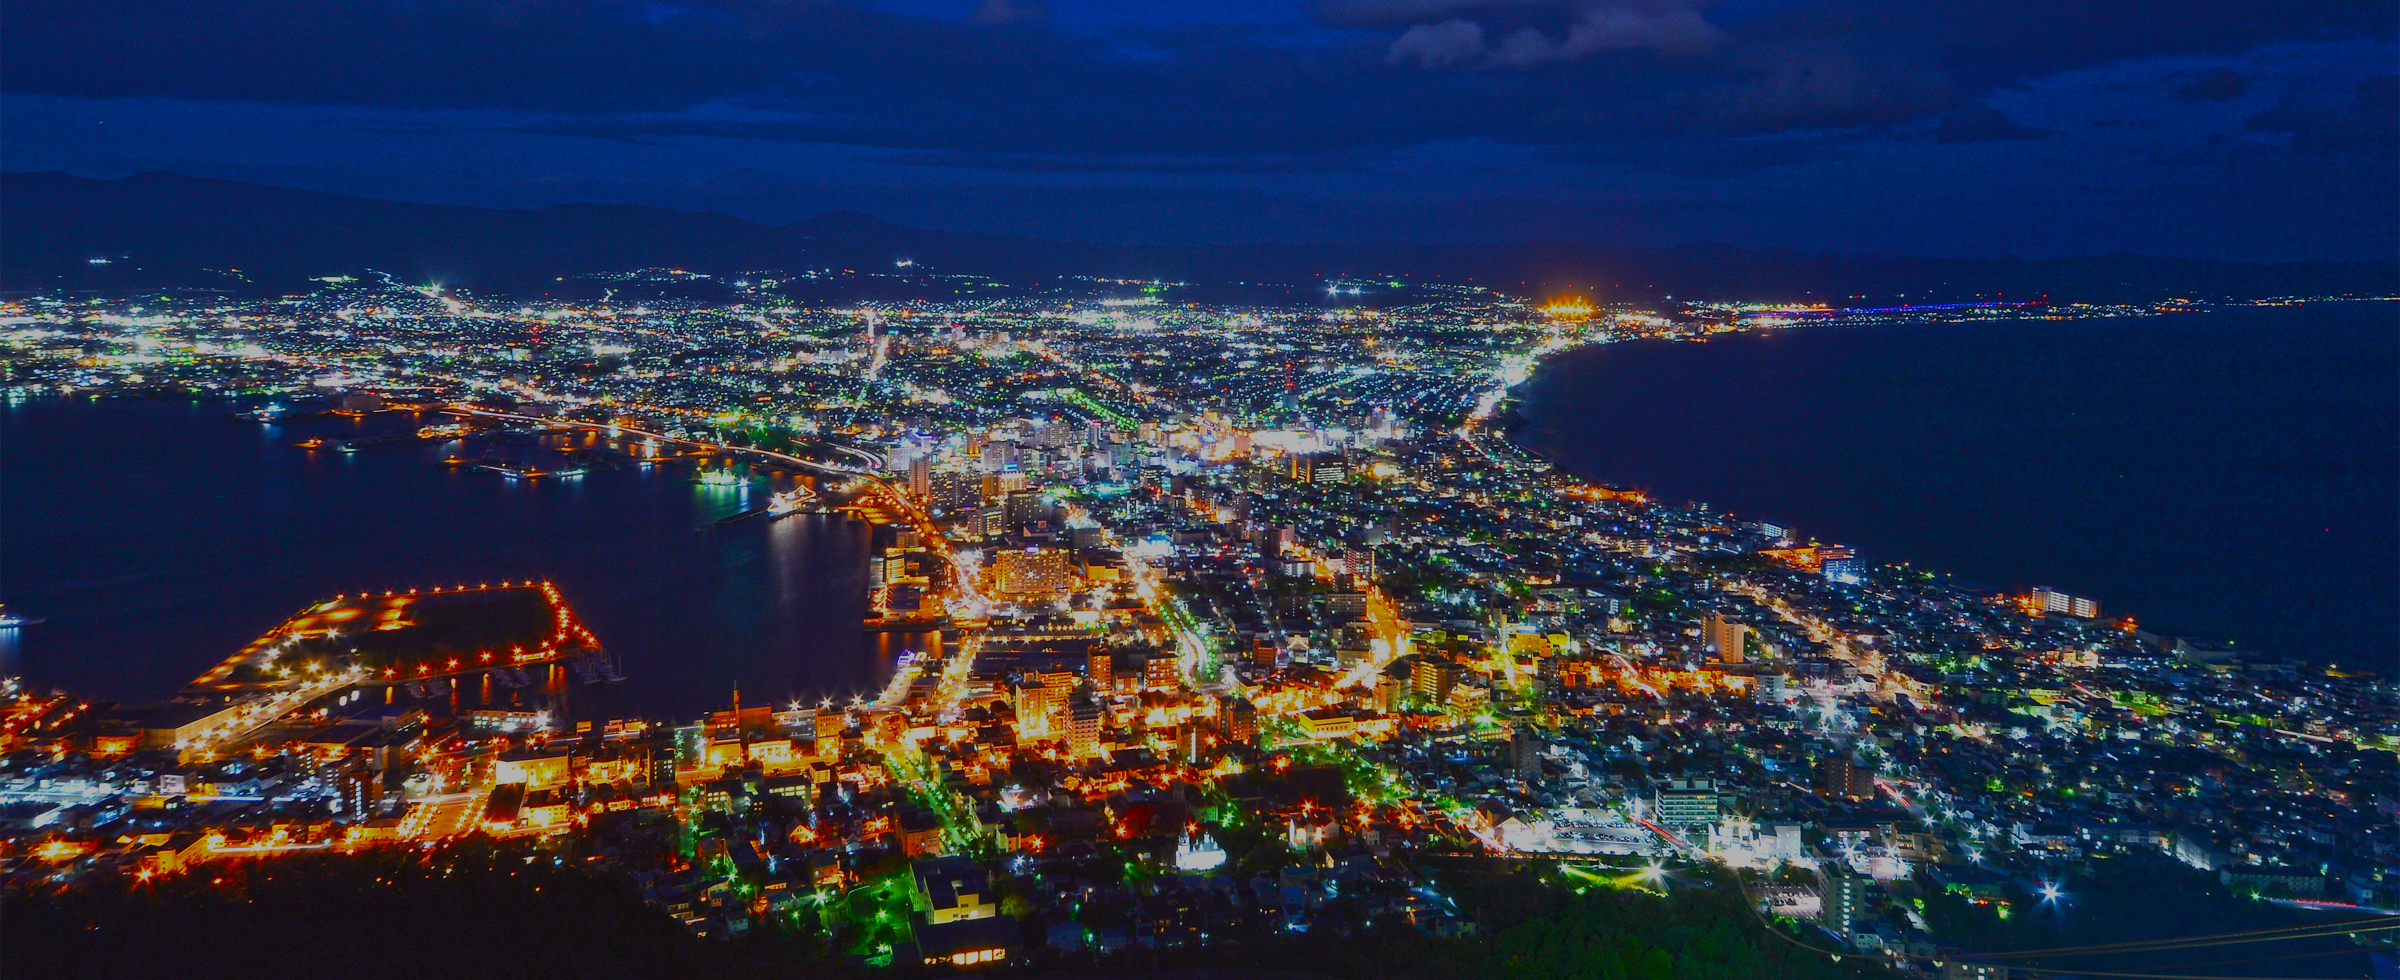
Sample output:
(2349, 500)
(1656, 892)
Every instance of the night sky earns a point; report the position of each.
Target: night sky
(2228, 129)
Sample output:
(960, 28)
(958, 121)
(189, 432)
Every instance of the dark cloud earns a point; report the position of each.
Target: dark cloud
(1525, 33)
(1979, 123)
(1709, 158)
(1028, 163)
(1008, 11)
(2365, 118)
(2214, 85)
(1786, 84)
(1367, 108)
(838, 70)
(1441, 45)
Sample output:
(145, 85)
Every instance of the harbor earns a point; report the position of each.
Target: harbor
(774, 602)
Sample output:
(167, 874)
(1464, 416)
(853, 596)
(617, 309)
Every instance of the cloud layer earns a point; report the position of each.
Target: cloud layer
(1392, 105)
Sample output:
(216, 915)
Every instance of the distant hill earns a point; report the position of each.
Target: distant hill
(168, 230)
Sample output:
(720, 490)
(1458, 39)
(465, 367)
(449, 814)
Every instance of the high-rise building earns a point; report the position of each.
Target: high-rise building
(997, 486)
(1040, 706)
(1433, 678)
(1845, 898)
(1525, 754)
(1031, 572)
(1687, 803)
(831, 727)
(1723, 637)
(362, 793)
(1265, 652)
(1319, 468)
(999, 456)
(1237, 720)
(1839, 777)
(954, 493)
(1024, 507)
(1272, 539)
(1359, 562)
(1083, 728)
(1100, 670)
(920, 478)
(658, 752)
(1161, 672)
(893, 567)
(1346, 604)
(2051, 602)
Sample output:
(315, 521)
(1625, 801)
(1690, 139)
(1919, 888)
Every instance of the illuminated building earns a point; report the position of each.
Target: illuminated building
(1525, 753)
(1433, 678)
(893, 566)
(1839, 777)
(951, 889)
(1237, 721)
(1197, 852)
(1844, 897)
(997, 486)
(1023, 507)
(1271, 540)
(1359, 562)
(1040, 707)
(2048, 602)
(535, 769)
(361, 793)
(920, 833)
(1327, 724)
(1840, 564)
(1346, 604)
(1687, 803)
(920, 478)
(1032, 572)
(1723, 638)
(1084, 719)
(1001, 456)
(954, 493)
(830, 727)
(1161, 672)
(1319, 468)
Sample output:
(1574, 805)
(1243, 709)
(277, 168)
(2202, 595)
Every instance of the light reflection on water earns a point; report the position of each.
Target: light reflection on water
(156, 537)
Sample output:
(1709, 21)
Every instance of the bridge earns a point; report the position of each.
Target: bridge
(602, 427)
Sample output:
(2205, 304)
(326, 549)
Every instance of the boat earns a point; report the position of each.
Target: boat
(12, 620)
(509, 468)
(720, 478)
(789, 502)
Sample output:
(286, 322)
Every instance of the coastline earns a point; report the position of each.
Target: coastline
(1543, 419)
